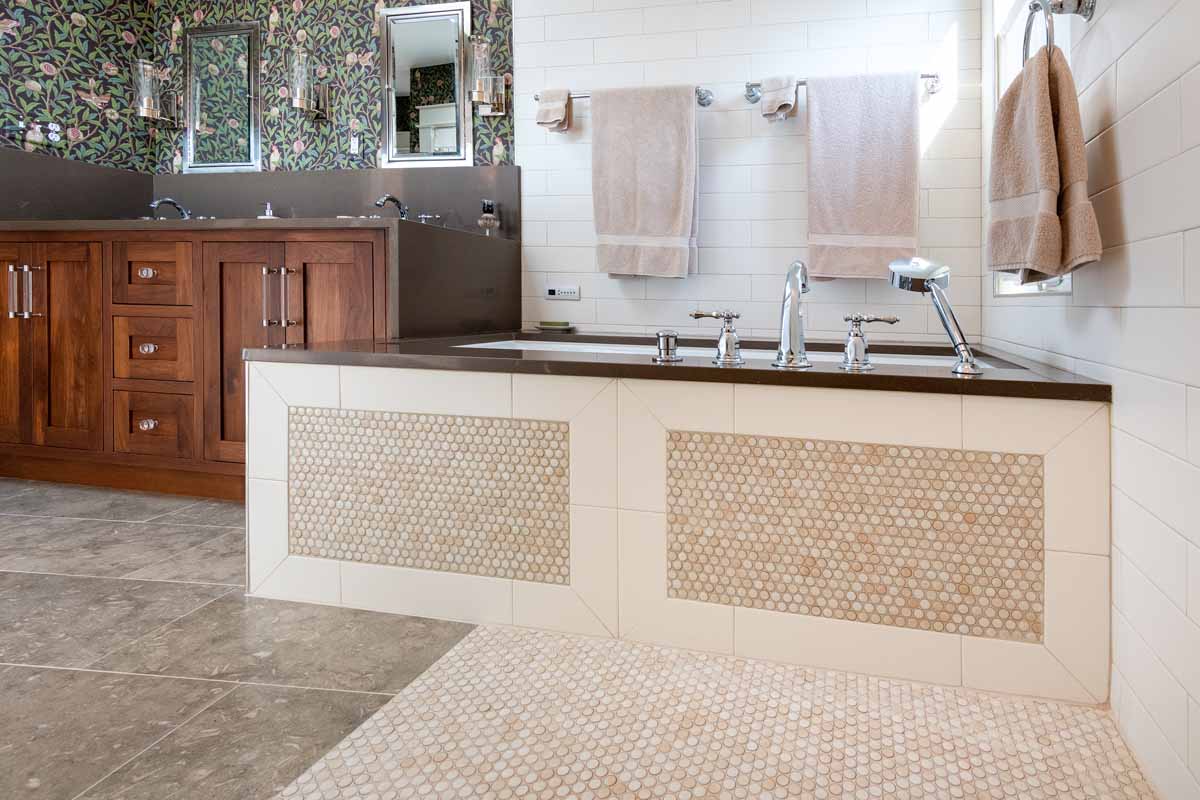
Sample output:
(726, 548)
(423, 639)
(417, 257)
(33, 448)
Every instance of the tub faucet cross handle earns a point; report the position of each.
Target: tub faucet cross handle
(729, 347)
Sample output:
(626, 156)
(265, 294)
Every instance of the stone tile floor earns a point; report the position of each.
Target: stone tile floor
(132, 666)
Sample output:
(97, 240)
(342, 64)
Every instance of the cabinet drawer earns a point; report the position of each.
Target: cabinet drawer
(152, 273)
(152, 348)
(153, 424)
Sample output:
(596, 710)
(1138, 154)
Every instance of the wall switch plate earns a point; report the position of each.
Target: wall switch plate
(354, 144)
(562, 291)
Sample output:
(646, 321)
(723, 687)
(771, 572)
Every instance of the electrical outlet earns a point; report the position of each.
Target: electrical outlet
(354, 144)
(562, 291)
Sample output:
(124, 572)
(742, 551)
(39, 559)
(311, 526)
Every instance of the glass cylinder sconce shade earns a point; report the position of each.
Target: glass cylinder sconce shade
(488, 90)
(147, 89)
(307, 95)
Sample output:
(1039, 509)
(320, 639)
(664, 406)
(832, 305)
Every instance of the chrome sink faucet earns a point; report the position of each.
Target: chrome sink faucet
(168, 201)
(729, 347)
(925, 277)
(391, 198)
(792, 351)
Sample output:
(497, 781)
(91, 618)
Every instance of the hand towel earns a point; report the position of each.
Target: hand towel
(778, 96)
(554, 110)
(1042, 222)
(644, 180)
(863, 157)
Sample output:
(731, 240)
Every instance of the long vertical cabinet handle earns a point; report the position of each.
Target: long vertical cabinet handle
(29, 313)
(14, 296)
(284, 272)
(267, 320)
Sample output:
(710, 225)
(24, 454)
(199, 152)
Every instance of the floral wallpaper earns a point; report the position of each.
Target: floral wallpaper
(67, 62)
(65, 83)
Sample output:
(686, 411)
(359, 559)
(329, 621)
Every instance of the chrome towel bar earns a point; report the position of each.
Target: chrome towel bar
(704, 97)
(933, 85)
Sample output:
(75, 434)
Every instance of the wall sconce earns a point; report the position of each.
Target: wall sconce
(307, 95)
(153, 102)
(488, 91)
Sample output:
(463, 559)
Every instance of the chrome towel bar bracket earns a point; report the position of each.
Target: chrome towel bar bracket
(1049, 8)
(704, 97)
(933, 85)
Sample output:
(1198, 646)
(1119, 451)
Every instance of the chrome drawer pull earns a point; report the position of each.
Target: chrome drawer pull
(29, 313)
(14, 305)
(267, 321)
(146, 273)
(147, 348)
(147, 425)
(284, 272)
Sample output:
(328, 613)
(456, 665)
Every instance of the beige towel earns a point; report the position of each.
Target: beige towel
(778, 96)
(554, 110)
(644, 180)
(863, 156)
(1043, 224)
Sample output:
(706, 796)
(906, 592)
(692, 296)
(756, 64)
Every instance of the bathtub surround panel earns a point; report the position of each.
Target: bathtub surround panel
(625, 572)
(933, 539)
(473, 495)
(1137, 71)
(682, 724)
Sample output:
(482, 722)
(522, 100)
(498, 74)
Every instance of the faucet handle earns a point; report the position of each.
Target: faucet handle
(860, 319)
(726, 315)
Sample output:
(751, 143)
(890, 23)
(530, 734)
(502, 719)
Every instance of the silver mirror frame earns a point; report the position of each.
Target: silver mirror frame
(253, 33)
(466, 134)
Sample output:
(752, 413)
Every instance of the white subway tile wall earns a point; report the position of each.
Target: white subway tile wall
(1138, 73)
(753, 199)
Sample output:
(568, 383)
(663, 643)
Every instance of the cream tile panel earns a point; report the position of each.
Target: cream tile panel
(313, 385)
(1078, 619)
(1145, 674)
(1077, 489)
(426, 391)
(555, 608)
(267, 529)
(556, 397)
(645, 612)
(1019, 668)
(924, 420)
(443, 595)
(266, 428)
(593, 450)
(595, 560)
(304, 580)
(851, 646)
(1021, 425)
(686, 406)
(641, 454)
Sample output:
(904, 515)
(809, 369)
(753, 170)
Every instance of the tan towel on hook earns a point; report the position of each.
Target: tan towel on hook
(644, 180)
(778, 96)
(1043, 224)
(863, 158)
(554, 110)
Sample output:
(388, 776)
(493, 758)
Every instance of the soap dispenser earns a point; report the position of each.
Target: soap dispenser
(268, 212)
(489, 221)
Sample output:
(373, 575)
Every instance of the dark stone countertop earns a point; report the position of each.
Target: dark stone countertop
(1010, 376)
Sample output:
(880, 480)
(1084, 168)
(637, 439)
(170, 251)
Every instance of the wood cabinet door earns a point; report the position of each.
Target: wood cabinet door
(237, 297)
(15, 357)
(67, 345)
(330, 292)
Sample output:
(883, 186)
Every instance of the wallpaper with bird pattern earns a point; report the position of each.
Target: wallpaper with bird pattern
(67, 62)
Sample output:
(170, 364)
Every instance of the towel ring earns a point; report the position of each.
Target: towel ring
(1082, 8)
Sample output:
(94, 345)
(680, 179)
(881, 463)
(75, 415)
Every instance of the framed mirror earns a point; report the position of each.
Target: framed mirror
(426, 110)
(222, 107)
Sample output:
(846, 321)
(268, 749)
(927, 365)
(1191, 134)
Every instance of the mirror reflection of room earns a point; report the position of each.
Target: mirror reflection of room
(425, 83)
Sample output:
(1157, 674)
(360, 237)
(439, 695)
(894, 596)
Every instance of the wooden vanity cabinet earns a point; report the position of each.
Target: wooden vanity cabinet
(128, 371)
(50, 346)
